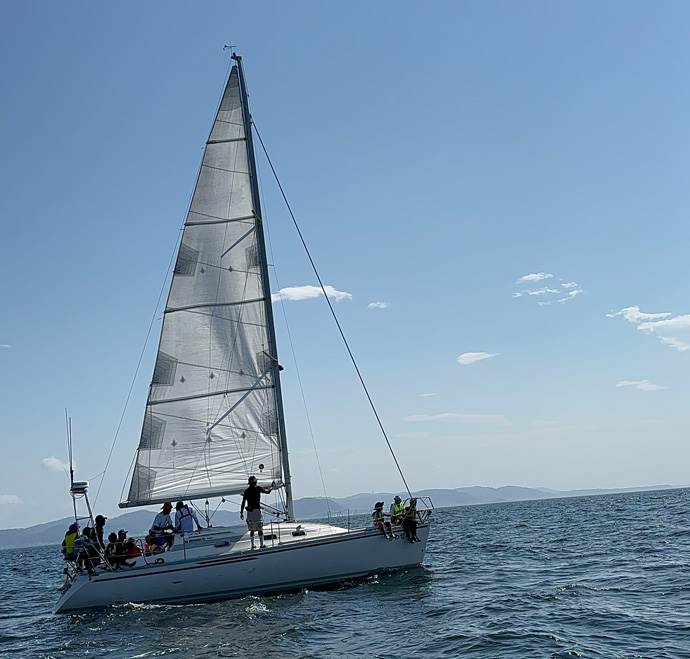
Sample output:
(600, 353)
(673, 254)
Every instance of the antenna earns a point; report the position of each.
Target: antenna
(68, 422)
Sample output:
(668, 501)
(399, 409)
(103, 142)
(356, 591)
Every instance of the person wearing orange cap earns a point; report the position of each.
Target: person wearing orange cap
(163, 523)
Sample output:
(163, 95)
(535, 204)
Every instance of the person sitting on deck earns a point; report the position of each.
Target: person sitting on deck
(380, 521)
(156, 544)
(410, 521)
(114, 552)
(163, 525)
(68, 544)
(185, 518)
(396, 511)
(89, 557)
(131, 548)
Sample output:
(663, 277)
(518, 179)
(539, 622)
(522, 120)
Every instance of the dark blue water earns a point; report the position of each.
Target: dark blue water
(604, 576)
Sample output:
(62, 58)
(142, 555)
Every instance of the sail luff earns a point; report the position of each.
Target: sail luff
(282, 435)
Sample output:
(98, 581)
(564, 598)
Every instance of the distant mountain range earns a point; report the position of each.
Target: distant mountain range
(138, 522)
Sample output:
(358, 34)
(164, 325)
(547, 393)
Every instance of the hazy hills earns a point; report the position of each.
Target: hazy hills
(138, 522)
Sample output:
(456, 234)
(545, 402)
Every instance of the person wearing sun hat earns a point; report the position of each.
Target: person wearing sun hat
(163, 523)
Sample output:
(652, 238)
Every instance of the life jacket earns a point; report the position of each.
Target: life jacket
(70, 539)
(398, 509)
(134, 552)
(377, 516)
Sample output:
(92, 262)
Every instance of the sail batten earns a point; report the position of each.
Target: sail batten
(217, 304)
(232, 139)
(215, 393)
(212, 414)
(220, 220)
(223, 169)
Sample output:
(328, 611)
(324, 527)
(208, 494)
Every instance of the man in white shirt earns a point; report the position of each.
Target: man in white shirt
(162, 523)
(185, 518)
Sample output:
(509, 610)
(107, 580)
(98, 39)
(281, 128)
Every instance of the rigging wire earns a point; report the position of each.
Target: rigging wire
(330, 306)
(292, 351)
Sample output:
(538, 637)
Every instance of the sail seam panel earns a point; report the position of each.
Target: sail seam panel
(209, 394)
(223, 169)
(228, 123)
(222, 424)
(246, 323)
(217, 217)
(216, 368)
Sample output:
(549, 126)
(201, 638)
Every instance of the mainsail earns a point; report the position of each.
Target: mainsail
(213, 415)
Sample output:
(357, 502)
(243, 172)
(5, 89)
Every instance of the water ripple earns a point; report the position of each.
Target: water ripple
(589, 577)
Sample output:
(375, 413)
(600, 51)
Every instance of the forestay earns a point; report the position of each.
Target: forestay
(212, 412)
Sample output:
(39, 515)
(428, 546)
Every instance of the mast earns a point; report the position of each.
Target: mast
(270, 327)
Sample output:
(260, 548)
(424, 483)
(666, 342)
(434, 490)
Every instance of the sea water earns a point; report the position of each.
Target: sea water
(605, 576)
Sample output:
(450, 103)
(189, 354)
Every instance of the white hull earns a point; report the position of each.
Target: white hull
(218, 564)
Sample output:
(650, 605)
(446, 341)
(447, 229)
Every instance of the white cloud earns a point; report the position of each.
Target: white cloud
(670, 330)
(642, 385)
(679, 345)
(294, 293)
(54, 464)
(5, 345)
(535, 292)
(563, 300)
(538, 276)
(571, 294)
(377, 305)
(426, 395)
(472, 357)
(497, 419)
(9, 499)
(634, 315)
(548, 294)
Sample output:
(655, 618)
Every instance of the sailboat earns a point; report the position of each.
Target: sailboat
(214, 414)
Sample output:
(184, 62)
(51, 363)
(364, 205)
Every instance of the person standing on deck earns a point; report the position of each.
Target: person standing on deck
(252, 499)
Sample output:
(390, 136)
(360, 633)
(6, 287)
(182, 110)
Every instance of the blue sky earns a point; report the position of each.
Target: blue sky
(509, 181)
